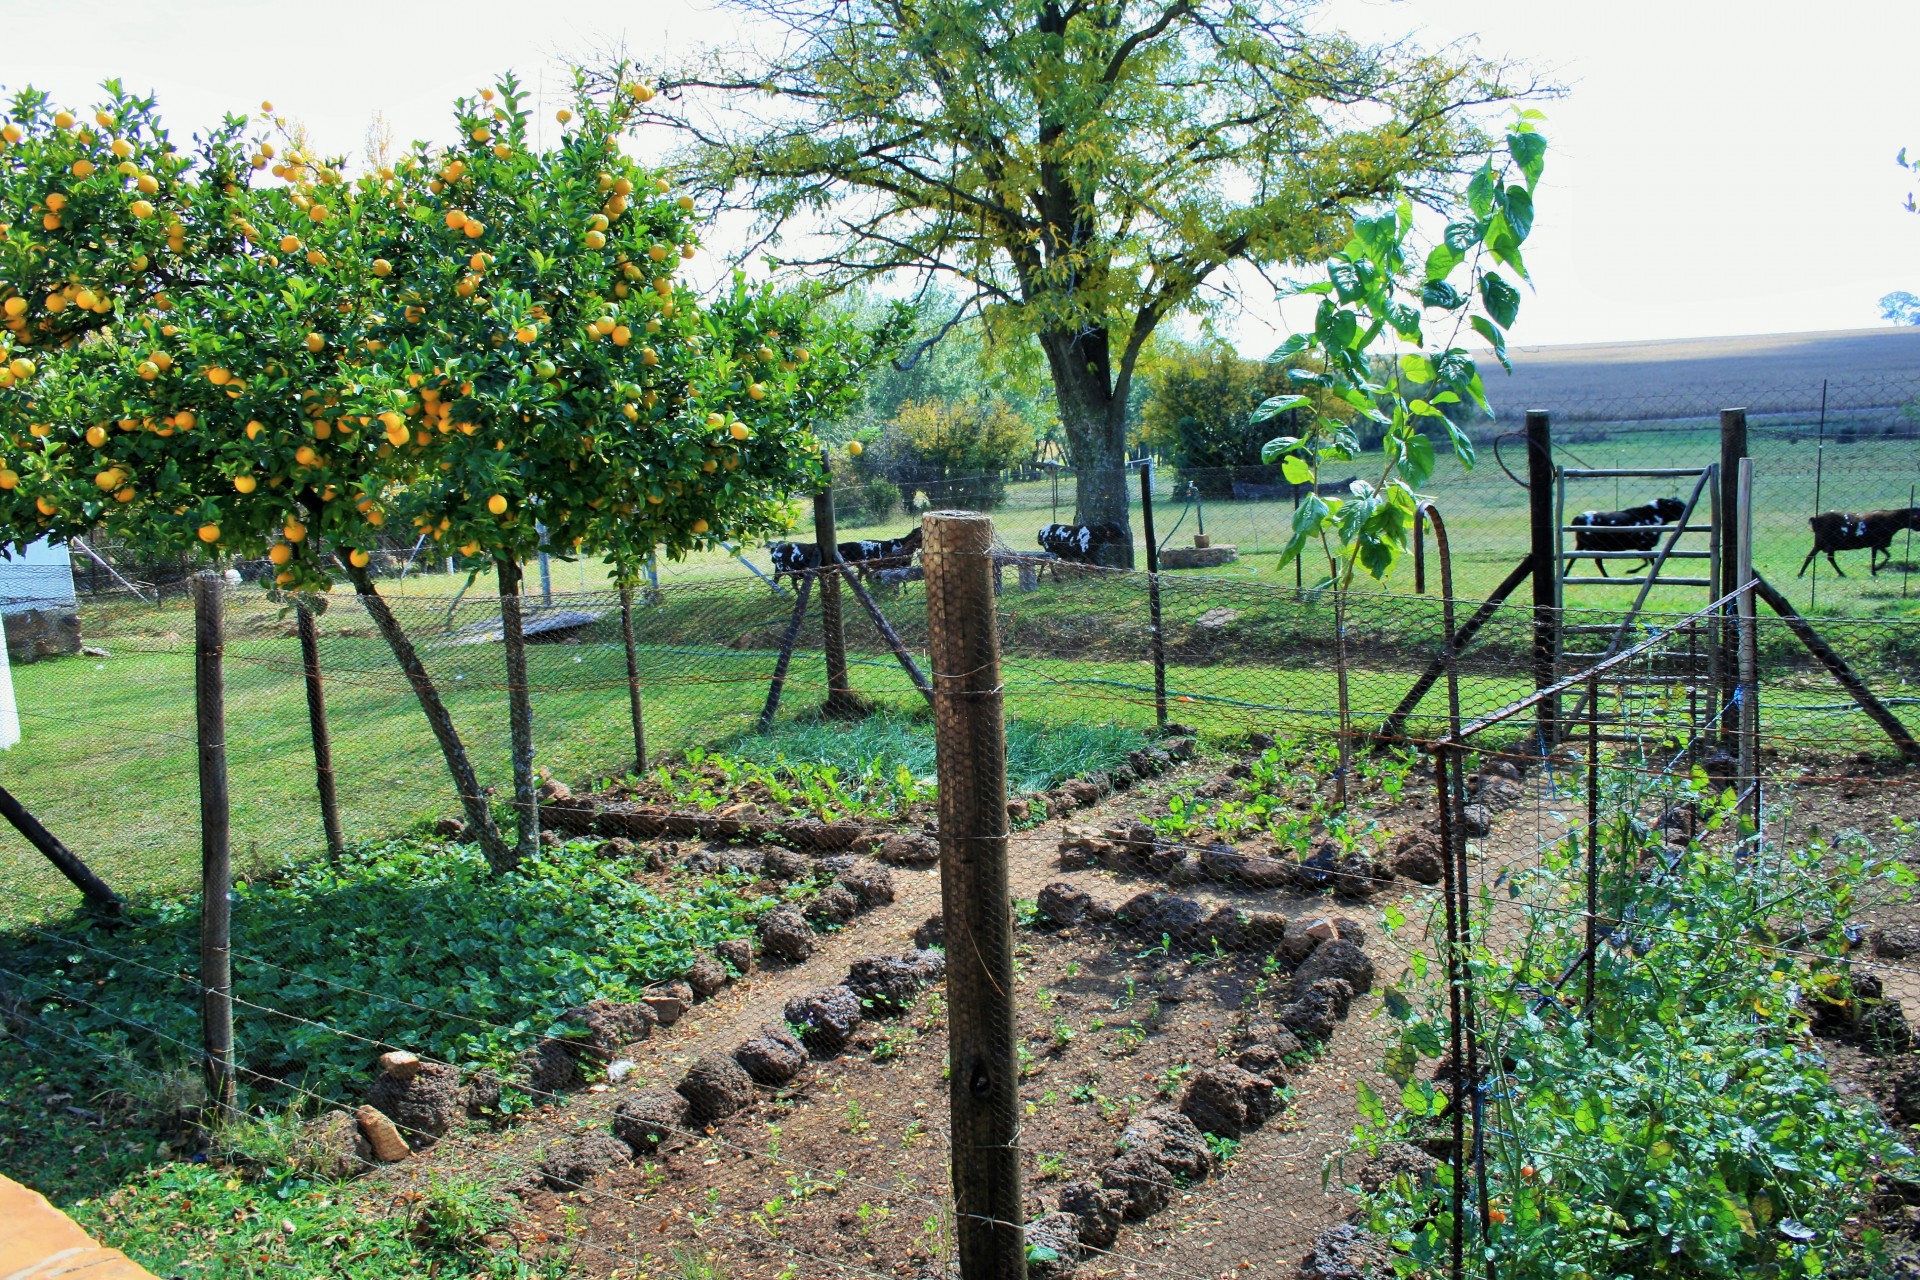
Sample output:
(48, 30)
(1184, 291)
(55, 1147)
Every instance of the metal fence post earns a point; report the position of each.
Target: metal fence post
(317, 723)
(1156, 639)
(1544, 537)
(970, 746)
(216, 854)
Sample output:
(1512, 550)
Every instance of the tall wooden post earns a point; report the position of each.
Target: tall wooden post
(216, 854)
(840, 703)
(1545, 539)
(1156, 640)
(970, 749)
(1749, 645)
(1733, 448)
(322, 740)
(526, 798)
(633, 676)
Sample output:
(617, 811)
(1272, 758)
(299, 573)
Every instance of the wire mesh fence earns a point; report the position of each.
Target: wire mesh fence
(717, 1018)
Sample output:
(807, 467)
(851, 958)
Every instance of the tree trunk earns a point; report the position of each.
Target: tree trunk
(472, 801)
(526, 797)
(1095, 422)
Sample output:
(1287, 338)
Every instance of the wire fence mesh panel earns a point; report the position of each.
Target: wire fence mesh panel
(710, 1018)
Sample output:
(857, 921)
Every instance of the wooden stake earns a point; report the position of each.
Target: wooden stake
(1856, 688)
(840, 703)
(322, 740)
(1156, 641)
(1749, 641)
(970, 746)
(787, 642)
(216, 854)
(1545, 552)
(95, 889)
(1733, 447)
(473, 801)
(633, 677)
(526, 797)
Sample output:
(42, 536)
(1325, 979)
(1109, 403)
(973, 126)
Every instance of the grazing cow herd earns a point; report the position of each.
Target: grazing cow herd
(867, 556)
(890, 561)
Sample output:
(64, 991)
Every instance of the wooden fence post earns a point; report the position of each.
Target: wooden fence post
(1156, 640)
(1749, 664)
(322, 740)
(1545, 539)
(513, 634)
(633, 677)
(1733, 448)
(970, 747)
(840, 703)
(216, 854)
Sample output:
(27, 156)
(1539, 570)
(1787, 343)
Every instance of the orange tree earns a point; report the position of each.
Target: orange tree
(555, 384)
(191, 357)
(486, 340)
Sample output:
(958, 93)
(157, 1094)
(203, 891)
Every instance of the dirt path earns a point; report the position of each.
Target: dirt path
(846, 1168)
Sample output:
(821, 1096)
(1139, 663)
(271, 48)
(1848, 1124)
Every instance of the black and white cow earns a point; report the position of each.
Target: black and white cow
(1080, 542)
(1633, 529)
(866, 555)
(1844, 531)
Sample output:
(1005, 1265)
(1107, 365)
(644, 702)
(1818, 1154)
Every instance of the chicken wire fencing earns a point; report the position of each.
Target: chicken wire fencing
(730, 969)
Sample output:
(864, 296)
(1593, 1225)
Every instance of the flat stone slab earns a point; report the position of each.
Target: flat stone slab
(1198, 557)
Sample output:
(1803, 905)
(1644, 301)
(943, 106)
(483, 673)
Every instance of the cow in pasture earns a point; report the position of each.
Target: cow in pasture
(1633, 529)
(793, 559)
(1082, 543)
(866, 555)
(1844, 531)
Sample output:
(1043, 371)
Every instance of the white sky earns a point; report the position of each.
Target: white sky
(1717, 167)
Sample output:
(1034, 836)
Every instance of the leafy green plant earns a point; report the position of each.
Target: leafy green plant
(1374, 294)
(1681, 1125)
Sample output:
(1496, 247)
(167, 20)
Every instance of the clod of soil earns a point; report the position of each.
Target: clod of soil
(645, 1122)
(1171, 1141)
(424, 1107)
(331, 1146)
(548, 1067)
(706, 977)
(785, 935)
(1053, 1245)
(1228, 1100)
(1145, 1186)
(835, 905)
(716, 1087)
(1336, 958)
(870, 883)
(909, 849)
(610, 1025)
(1062, 904)
(886, 986)
(826, 1019)
(785, 865)
(737, 953)
(578, 1161)
(1096, 1209)
(773, 1057)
